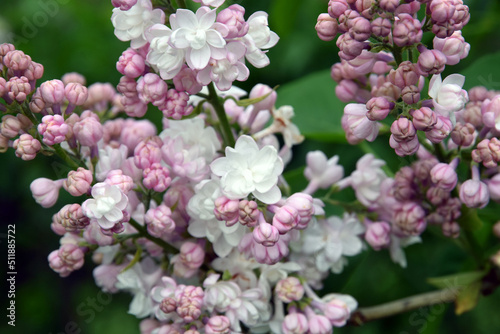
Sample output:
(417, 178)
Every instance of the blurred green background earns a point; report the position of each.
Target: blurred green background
(69, 35)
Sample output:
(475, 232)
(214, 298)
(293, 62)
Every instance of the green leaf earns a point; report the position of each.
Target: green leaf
(484, 72)
(317, 109)
(468, 298)
(457, 281)
(137, 258)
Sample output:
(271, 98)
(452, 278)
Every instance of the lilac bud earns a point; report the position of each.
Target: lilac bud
(4, 49)
(73, 77)
(437, 195)
(37, 104)
(346, 90)
(130, 64)
(407, 30)
(10, 126)
(227, 210)
(289, 289)
(67, 259)
(176, 105)
(463, 134)
(378, 235)
(403, 148)
(326, 27)
(52, 91)
(490, 108)
(260, 90)
(34, 71)
(248, 213)
(474, 193)
(431, 62)
(478, 94)
(405, 187)
(266, 234)
(409, 219)
(359, 29)
(16, 60)
(402, 129)
(381, 27)
(185, 80)
(337, 8)
(218, 324)
(285, 219)
(389, 5)
(88, 131)
(440, 131)
(357, 123)
(410, 94)
(117, 178)
(442, 10)
(451, 229)
(76, 93)
(405, 75)
(71, 218)
(303, 203)
(295, 323)
(444, 175)
(349, 47)
(487, 152)
(319, 324)
(337, 312)
(494, 187)
(18, 88)
(156, 177)
(78, 182)
(168, 305)
(26, 147)
(192, 255)
(124, 5)
(159, 221)
(454, 47)
(53, 129)
(424, 118)
(148, 152)
(134, 107)
(151, 88)
(365, 7)
(233, 18)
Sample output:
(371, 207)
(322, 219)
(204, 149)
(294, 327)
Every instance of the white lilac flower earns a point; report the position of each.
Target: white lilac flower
(110, 159)
(165, 58)
(247, 169)
(189, 147)
(131, 25)
(447, 95)
(195, 34)
(139, 280)
(321, 171)
(396, 248)
(282, 123)
(258, 38)
(204, 224)
(106, 206)
(331, 239)
(240, 267)
(367, 178)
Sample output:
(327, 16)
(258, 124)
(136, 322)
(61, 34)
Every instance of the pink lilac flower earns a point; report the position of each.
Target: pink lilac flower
(65, 260)
(106, 206)
(46, 191)
(26, 147)
(78, 182)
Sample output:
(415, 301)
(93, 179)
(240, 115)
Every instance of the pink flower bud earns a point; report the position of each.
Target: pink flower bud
(176, 104)
(326, 27)
(409, 219)
(303, 203)
(440, 131)
(227, 210)
(45, 191)
(135, 131)
(402, 129)
(270, 254)
(407, 30)
(295, 323)
(357, 123)
(134, 107)
(78, 182)
(494, 187)
(76, 93)
(16, 60)
(381, 27)
(248, 213)
(318, 323)
(156, 177)
(72, 218)
(388, 90)
(454, 47)
(124, 5)
(474, 193)
(349, 47)
(444, 175)
(18, 88)
(159, 221)
(347, 90)
(424, 118)
(437, 195)
(192, 255)
(337, 8)
(431, 62)
(34, 71)
(190, 302)
(10, 126)
(337, 312)
(66, 259)
(442, 10)
(405, 75)
(410, 94)
(4, 49)
(360, 29)
(406, 147)
(490, 108)
(118, 178)
(378, 108)
(285, 219)
(52, 91)
(218, 324)
(168, 305)
(233, 18)
(88, 131)
(261, 90)
(266, 234)
(148, 152)
(26, 147)
(378, 235)
(73, 77)
(131, 64)
(404, 185)
(37, 104)
(451, 229)
(151, 88)
(389, 5)
(289, 289)
(487, 152)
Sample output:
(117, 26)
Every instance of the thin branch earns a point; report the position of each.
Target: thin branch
(365, 314)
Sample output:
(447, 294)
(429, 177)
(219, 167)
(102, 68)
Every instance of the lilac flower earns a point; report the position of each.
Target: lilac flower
(106, 206)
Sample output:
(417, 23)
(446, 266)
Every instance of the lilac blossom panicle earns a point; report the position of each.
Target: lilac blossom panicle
(195, 218)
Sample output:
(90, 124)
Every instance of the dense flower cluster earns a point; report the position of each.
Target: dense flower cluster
(221, 244)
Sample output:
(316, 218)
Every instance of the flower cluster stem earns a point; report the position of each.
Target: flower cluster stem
(144, 232)
(215, 101)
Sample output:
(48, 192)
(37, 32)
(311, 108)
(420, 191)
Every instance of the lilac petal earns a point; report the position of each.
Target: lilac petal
(198, 59)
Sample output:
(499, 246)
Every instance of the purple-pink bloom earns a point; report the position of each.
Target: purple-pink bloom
(78, 182)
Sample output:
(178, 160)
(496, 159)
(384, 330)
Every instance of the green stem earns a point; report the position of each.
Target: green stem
(396, 52)
(215, 101)
(63, 155)
(144, 232)
(181, 4)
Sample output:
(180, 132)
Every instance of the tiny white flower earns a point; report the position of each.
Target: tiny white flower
(106, 206)
(165, 58)
(247, 169)
(447, 95)
(258, 38)
(367, 178)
